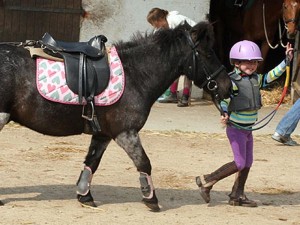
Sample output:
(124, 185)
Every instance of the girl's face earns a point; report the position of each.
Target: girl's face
(161, 23)
(247, 66)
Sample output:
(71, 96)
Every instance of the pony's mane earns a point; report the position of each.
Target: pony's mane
(136, 40)
(170, 39)
(173, 39)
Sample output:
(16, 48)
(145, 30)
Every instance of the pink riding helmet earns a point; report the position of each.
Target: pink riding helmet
(245, 50)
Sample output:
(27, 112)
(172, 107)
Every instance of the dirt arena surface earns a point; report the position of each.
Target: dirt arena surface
(38, 175)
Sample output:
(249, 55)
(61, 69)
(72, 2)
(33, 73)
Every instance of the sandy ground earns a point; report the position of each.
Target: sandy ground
(38, 175)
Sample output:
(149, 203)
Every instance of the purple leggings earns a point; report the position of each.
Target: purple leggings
(241, 142)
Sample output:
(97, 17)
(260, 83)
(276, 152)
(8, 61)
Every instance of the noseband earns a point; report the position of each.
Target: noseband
(210, 82)
(286, 22)
(294, 20)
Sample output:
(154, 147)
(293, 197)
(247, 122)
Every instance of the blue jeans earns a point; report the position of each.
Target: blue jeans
(289, 121)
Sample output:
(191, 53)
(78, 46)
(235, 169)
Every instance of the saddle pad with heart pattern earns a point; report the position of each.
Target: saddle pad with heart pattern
(51, 82)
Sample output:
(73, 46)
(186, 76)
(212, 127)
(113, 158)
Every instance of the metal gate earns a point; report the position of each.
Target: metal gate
(22, 20)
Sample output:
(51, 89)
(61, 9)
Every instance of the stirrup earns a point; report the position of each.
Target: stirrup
(94, 123)
(84, 114)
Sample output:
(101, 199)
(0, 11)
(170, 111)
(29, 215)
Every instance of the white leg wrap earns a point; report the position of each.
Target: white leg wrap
(84, 181)
(146, 185)
(4, 117)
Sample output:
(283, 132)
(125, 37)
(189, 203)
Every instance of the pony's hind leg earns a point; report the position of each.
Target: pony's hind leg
(4, 117)
(97, 148)
(130, 142)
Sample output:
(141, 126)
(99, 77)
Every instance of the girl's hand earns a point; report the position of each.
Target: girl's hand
(289, 51)
(224, 119)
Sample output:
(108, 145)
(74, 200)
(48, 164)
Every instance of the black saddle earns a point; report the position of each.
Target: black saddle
(86, 64)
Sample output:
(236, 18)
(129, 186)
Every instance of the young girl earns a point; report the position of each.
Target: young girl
(160, 18)
(241, 111)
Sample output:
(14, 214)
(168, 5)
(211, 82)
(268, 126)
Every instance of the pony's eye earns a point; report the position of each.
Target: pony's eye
(284, 6)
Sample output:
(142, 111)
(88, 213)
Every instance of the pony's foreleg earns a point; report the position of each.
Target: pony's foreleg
(130, 142)
(97, 147)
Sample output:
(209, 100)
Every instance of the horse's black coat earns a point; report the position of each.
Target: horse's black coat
(151, 63)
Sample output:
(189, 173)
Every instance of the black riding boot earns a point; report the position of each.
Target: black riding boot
(237, 196)
(206, 182)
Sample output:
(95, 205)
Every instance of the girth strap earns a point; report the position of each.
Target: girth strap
(82, 71)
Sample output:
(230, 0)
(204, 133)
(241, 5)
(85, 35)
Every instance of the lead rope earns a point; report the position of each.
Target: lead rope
(266, 33)
(271, 114)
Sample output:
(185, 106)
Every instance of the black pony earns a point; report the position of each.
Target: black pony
(150, 63)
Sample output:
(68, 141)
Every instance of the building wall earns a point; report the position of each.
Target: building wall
(119, 19)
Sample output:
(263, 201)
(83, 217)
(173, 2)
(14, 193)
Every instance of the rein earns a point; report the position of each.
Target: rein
(210, 83)
(266, 33)
(271, 114)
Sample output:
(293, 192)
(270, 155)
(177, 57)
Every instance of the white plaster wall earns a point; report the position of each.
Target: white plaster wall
(120, 19)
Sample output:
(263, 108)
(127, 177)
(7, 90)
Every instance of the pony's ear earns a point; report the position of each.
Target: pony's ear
(203, 32)
(188, 26)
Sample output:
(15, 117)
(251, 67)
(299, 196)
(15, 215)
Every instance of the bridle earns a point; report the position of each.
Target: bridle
(210, 81)
(294, 20)
(286, 22)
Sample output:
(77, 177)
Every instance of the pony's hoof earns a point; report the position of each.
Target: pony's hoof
(1, 203)
(152, 206)
(152, 203)
(86, 200)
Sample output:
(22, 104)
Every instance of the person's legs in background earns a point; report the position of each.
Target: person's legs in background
(172, 97)
(165, 94)
(287, 125)
(186, 93)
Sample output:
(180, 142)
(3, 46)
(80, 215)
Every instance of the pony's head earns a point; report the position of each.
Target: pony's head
(290, 14)
(198, 61)
(203, 66)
